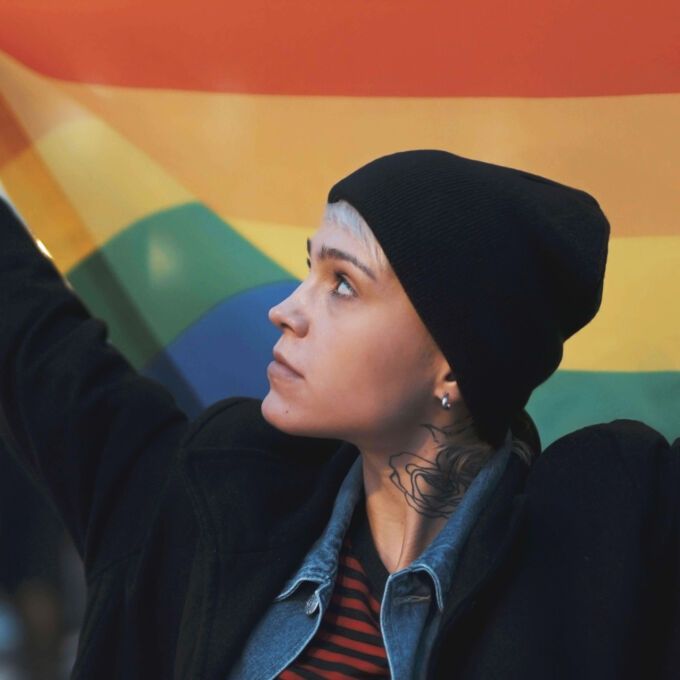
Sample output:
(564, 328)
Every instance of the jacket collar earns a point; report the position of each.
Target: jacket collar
(491, 538)
(320, 564)
(439, 560)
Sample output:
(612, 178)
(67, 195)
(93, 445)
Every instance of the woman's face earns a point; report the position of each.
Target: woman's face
(367, 365)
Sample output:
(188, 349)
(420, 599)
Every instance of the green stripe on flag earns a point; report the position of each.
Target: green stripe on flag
(155, 278)
(569, 400)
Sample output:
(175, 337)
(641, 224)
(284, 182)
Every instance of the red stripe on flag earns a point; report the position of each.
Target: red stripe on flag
(398, 48)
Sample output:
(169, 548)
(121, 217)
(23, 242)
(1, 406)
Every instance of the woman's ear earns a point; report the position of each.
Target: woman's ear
(445, 373)
(446, 381)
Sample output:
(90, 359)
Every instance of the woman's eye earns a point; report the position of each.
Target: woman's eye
(342, 281)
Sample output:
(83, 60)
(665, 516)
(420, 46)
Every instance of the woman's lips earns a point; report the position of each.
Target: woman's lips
(280, 367)
(276, 369)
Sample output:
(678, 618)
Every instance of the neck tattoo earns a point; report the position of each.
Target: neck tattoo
(435, 488)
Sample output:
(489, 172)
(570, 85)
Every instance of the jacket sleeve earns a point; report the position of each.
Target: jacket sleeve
(93, 433)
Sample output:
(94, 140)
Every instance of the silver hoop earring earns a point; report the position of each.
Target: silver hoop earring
(445, 401)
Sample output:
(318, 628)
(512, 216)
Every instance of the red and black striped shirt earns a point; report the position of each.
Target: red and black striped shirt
(348, 644)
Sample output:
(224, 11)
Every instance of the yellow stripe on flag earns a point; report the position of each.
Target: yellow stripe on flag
(283, 243)
(109, 181)
(635, 329)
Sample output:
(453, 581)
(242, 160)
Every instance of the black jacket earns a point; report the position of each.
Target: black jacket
(188, 530)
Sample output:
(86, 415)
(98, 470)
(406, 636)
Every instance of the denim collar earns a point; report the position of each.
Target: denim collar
(439, 559)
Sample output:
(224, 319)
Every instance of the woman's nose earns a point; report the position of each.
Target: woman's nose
(288, 314)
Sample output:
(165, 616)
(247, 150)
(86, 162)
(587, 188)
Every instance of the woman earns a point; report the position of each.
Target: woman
(380, 512)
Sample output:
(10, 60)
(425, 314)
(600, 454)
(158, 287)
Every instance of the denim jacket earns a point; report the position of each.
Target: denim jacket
(413, 600)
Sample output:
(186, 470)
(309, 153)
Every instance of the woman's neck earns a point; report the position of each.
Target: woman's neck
(411, 493)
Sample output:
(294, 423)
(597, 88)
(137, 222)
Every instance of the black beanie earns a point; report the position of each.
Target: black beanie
(501, 265)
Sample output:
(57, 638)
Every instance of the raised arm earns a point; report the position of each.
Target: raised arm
(97, 436)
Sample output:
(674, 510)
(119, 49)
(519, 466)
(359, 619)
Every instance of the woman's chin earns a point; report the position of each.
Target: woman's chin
(277, 412)
(280, 414)
(267, 406)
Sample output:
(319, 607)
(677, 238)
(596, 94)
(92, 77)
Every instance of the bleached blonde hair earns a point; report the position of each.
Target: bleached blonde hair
(345, 216)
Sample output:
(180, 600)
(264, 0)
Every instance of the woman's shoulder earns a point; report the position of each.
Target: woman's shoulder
(623, 436)
(237, 423)
(624, 455)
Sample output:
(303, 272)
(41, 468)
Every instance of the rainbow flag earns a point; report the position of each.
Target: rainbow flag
(173, 157)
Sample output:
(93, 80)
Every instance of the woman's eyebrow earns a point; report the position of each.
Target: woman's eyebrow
(335, 254)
